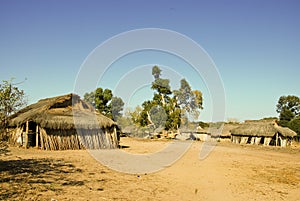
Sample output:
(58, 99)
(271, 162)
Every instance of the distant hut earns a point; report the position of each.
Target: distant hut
(266, 133)
(62, 122)
(197, 133)
(225, 135)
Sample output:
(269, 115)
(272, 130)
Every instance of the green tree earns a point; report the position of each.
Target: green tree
(161, 86)
(105, 103)
(285, 117)
(174, 115)
(102, 98)
(90, 98)
(126, 119)
(295, 125)
(158, 116)
(116, 106)
(189, 100)
(135, 114)
(144, 116)
(11, 100)
(156, 72)
(184, 95)
(290, 102)
(166, 106)
(288, 108)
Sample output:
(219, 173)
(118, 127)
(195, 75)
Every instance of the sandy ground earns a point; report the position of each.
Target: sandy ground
(230, 172)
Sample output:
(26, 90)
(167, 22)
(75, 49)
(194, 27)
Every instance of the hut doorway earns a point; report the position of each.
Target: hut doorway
(249, 140)
(262, 141)
(276, 140)
(31, 131)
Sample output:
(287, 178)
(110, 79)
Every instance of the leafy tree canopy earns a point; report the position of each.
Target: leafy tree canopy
(156, 72)
(288, 108)
(105, 102)
(189, 100)
(290, 102)
(11, 99)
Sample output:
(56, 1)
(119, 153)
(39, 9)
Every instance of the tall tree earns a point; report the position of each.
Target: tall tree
(166, 106)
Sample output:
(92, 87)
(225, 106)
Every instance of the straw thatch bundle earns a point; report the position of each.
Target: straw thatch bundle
(66, 122)
(263, 129)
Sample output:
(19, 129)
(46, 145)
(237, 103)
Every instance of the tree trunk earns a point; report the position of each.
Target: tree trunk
(163, 100)
(149, 118)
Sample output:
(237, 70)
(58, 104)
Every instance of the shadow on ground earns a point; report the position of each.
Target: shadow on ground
(23, 177)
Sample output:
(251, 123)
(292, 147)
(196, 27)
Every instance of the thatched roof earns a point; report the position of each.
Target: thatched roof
(60, 113)
(263, 129)
(226, 131)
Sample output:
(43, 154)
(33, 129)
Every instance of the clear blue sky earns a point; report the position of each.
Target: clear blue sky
(255, 44)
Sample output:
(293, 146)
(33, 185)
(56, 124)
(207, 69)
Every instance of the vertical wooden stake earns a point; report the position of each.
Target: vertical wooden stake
(26, 134)
(37, 136)
(42, 141)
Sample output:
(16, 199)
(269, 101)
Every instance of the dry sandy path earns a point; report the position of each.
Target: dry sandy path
(230, 172)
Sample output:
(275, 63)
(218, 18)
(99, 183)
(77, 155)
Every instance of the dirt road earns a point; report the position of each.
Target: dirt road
(230, 172)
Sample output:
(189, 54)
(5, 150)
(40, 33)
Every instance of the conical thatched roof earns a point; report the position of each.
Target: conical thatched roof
(60, 113)
(265, 129)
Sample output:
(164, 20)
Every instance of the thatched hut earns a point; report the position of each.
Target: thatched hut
(62, 122)
(225, 135)
(266, 133)
(197, 133)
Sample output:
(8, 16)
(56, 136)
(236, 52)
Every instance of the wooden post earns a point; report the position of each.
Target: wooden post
(26, 134)
(37, 136)
(42, 141)
(115, 138)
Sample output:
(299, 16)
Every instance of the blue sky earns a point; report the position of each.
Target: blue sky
(254, 44)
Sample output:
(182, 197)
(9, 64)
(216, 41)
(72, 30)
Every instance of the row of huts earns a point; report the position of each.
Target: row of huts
(67, 122)
(251, 132)
(263, 132)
